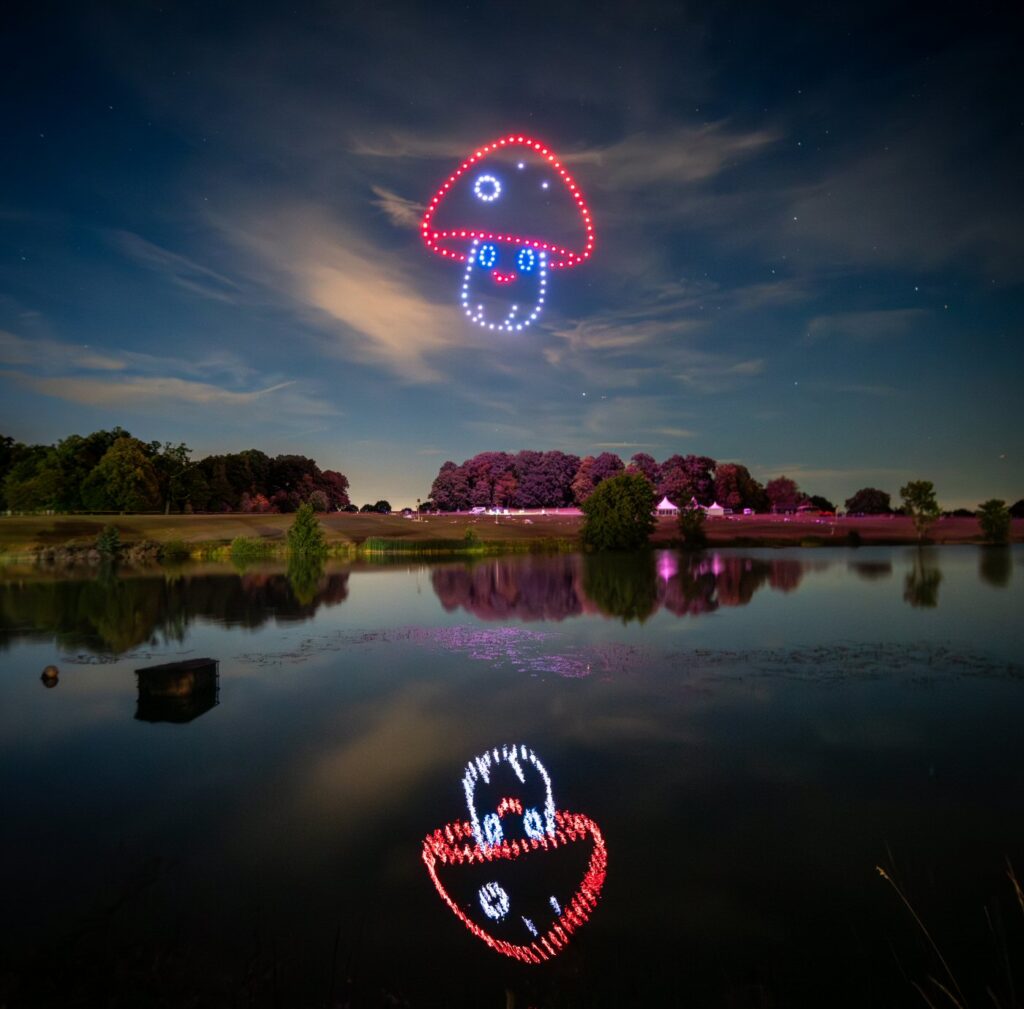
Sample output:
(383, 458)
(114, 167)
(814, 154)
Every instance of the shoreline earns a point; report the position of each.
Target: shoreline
(57, 538)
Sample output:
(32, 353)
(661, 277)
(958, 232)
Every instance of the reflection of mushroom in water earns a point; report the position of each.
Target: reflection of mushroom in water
(50, 677)
(502, 220)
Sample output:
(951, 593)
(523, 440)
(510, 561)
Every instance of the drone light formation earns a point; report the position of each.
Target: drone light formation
(497, 260)
(483, 840)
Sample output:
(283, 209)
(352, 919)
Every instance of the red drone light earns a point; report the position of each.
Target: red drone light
(454, 844)
(454, 243)
(526, 829)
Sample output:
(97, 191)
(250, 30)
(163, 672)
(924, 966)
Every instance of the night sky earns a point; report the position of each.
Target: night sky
(809, 258)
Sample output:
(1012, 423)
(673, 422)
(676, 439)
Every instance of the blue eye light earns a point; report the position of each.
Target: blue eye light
(487, 256)
(526, 260)
(532, 824)
(492, 830)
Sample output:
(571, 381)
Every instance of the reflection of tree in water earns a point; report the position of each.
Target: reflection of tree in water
(111, 614)
(304, 574)
(995, 565)
(628, 586)
(871, 571)
(530, 588)
(921, 587)
(622, 585)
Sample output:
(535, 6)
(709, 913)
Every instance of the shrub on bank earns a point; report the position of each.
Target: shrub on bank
(306, 535)
(619, 514)
(245, 549)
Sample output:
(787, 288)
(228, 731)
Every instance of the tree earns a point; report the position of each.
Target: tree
(619, 514)
(1017, 509)
(645, 464)
(605, 466)
(505, 489)
(735, 488)
(383, 507)
(544, 479)
(821, 503)
(318, 501)
(869, 501)
(783, 494)
(124, 480)
(691, 527)
(335, 486)
(994, 519)
(76, 458)
(583, 483)
(920, 504)
(688, 477)
(306, 536)
(450, 490)
(33, 480)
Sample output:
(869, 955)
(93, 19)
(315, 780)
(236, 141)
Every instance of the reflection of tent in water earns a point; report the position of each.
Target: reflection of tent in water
(177, 691)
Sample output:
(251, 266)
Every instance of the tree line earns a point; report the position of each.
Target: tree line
(531, 479)
(114, 471)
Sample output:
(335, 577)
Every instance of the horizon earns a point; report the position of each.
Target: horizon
(808, 257)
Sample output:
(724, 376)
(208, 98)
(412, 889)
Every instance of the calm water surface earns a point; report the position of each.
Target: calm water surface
(751, 732)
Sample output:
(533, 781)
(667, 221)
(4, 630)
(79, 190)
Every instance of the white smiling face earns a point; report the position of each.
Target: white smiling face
(504, 285)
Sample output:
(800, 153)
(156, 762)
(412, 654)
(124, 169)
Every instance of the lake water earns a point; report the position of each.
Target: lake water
(747, 735)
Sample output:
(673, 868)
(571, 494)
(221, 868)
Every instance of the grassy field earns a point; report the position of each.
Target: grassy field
(25, 534)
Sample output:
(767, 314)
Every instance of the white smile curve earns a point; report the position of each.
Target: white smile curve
(509, 324)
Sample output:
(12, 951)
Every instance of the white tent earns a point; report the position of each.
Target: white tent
(666, 508)
(715, 510)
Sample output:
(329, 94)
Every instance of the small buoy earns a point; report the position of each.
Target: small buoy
(50, 677)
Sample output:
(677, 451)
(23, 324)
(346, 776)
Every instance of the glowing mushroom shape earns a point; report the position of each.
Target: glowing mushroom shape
(512, 214)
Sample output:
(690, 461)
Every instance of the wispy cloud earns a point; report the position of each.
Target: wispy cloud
(886, 324)
(401, 211)
(143, 382)
(139, 391)
(874, 390)
(677, 157)
(803, 473)
(404, 144)
(366, 304)
(177, 268)
(51, 355)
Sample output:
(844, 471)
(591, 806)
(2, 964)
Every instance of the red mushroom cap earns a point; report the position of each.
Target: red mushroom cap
(453, 242)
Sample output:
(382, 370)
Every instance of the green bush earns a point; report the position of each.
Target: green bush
(245, 549)
(109, 541)
(174, 550)
(619, 514)
(306, 536)
(471, 539)
(994, 518)
(691, 527)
